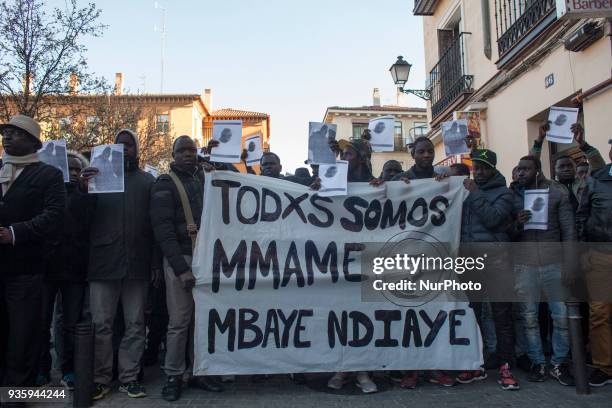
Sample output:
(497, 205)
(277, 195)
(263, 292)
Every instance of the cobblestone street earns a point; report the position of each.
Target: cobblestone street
(280, 391)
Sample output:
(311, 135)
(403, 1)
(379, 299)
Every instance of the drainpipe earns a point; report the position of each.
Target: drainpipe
(486, 27)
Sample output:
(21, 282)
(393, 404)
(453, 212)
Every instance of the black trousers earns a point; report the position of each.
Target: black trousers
(504, 328)
(20, 305)
(73, 294)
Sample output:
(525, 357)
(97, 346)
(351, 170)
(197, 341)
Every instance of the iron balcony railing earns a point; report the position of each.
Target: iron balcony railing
(516, 19)
(448, 78)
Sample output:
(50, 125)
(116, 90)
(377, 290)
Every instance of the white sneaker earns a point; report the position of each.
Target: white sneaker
(365, 383)
(337, 381)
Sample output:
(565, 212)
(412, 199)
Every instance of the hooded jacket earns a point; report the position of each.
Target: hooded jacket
(122, 243)
(168, 215)
(561, 226)
(594, 216)
(487, 212)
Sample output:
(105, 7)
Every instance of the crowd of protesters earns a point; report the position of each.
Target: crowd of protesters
(122, 261)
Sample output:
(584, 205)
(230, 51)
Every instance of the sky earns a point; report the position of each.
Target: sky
(288, 58)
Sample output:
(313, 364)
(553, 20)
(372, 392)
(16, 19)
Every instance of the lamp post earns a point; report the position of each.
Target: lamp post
(400, 71)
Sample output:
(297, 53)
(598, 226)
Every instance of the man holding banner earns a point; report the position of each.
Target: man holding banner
(176, 207)
(254, 269)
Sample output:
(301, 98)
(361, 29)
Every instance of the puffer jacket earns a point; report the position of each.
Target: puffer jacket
(594, 216)
(561, 226)
(168, 216)
(487, 212)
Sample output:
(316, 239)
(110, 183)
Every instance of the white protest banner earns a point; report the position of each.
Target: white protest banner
(319, 136)
(536, 201)
(278, 279)
(454, 133)
(108, 159)
(53, 153)
(229, 135)
(333, 179)
(252, 144)
(381, 130)
(560, 121)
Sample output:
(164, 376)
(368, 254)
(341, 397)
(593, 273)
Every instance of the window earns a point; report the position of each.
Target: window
(398, 129)
(162, 123)
(64, 127)
(358, 128)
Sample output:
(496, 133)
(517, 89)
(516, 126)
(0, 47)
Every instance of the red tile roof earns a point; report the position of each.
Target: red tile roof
(235, 113)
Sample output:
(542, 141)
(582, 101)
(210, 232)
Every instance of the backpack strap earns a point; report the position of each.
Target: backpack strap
(192, 228)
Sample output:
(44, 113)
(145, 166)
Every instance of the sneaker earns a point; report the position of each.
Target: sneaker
(100, 391)
(598, 379)
(365, 383)
(562, 374)
(68, 381)
(206, 383)
(396, 376)
(468, 377)
(133, 389)
(537, 373)
(172, 389)
(409, 381)
(441, 378)
(43, 379)
(298, 378)
(506, 379)
(337, 381)
(524, 363)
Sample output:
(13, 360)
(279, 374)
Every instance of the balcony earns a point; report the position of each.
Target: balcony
(448, 79)
(424, 7)
(518, 22)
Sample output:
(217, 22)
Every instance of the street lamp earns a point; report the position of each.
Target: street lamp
(400, 72)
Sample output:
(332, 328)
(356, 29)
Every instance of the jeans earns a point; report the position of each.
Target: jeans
(530, 282)
(20, 306)
(72, 294)
(179, 339)
(501, 313)
(105, 296)
(487, 327)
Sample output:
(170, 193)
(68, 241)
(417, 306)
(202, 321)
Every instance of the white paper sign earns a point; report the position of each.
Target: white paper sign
(560, 121)
(454, 133)
(276, 289)
(382, 132)
(252, 144)
(53, 153)
(152, 170)
(536, 201)
(333, 179)
(108, 159)
(319, 136)
(229, 135)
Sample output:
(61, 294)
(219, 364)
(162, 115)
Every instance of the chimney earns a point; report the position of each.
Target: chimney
(376, 97)
(208, 99)
(73, 84)
(119, 83)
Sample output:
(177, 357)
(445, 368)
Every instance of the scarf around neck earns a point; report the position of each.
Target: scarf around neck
(10, 165)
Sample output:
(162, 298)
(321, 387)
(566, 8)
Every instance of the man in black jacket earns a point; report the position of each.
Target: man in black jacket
(122, 258)
(66, 273)
(486, 218)
(176, 236)
(594, 220)
(32, 200)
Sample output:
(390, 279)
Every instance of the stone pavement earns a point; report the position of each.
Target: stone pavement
(279, 391)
